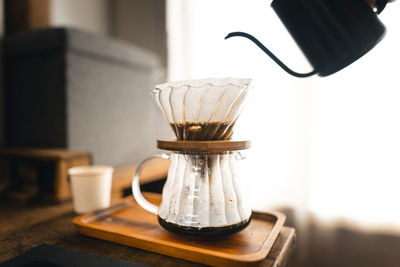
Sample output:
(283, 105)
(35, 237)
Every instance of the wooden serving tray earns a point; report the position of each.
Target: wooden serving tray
(129, 224)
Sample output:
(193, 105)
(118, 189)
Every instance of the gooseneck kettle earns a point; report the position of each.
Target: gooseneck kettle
(332, 34)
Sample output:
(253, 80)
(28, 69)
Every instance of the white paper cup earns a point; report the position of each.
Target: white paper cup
(91, 187)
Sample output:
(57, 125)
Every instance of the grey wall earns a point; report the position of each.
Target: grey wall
(137, 22)
(76, 90)
(89, 15)
(110, 109)
(142, 23)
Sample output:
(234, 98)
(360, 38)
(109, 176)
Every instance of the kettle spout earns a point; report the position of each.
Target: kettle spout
(270, 54)
(231, 34)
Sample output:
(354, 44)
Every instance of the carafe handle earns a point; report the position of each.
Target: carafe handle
(137, 194)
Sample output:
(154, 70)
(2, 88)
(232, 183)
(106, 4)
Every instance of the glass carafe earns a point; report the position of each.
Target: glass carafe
(202, 194)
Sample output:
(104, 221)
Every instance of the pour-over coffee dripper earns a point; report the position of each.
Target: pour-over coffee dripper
(202, 196)
(204, 109)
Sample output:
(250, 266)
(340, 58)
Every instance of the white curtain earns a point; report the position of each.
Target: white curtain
(326, 146)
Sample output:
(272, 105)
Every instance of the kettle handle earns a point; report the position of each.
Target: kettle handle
(270, 54)
(380, 5)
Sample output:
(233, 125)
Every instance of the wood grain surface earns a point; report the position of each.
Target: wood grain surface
(53, 225)
(42, 154)
(129, 224)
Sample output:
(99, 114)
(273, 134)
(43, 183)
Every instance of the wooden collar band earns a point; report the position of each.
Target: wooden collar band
(209, 147)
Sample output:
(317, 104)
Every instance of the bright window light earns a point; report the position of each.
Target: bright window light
(330, 146)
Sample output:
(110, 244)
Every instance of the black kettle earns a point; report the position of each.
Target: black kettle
(332, 34)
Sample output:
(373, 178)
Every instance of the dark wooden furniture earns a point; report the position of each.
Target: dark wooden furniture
(26, 15)
(38, 174)
(25, 228)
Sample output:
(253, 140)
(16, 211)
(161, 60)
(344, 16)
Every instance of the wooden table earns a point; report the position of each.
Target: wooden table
(22, 229)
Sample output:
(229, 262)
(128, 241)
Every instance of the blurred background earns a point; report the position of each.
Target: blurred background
(326, 151)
